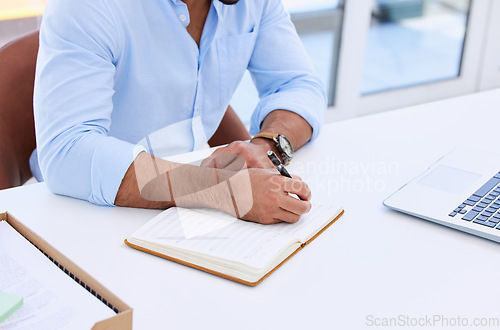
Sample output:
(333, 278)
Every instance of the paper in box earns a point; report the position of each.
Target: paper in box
(123, 318)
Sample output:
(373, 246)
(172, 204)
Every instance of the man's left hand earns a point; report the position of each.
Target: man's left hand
(231, 156)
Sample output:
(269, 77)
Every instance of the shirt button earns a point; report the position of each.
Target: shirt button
(182, 17)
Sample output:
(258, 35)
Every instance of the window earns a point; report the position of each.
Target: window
(377, 55)
(413, 42)
(319, 25)
(490, 75)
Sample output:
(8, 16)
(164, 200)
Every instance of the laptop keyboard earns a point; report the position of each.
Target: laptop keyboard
(483, 206)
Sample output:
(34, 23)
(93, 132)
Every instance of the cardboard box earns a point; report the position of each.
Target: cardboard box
(123, 318)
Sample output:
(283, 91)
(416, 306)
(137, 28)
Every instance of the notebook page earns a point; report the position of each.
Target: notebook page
(52, 300)
(310, 223)
(214, 233)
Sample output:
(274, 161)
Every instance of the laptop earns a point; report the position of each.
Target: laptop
(461, 190)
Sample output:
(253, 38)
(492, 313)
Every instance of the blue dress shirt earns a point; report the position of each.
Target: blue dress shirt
(116, 77)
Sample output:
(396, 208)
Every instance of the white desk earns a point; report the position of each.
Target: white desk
(373, 261)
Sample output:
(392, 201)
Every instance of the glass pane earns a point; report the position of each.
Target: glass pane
(19, 17)
(413, 42)
(319, 24)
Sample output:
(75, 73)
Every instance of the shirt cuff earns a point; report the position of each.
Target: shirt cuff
(304, 103)
(111, 160)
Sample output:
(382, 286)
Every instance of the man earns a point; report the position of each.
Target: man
(119, 82)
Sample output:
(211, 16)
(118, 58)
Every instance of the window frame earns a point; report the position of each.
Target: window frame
(490, 66)
(351, 103)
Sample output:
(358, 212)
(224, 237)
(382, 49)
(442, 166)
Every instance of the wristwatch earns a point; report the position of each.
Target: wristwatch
(284, 146)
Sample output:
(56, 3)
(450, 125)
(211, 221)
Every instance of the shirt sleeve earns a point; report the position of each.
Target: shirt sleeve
(73, 102)
(283, 73)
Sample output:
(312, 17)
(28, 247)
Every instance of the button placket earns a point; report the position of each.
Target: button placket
(199, 136)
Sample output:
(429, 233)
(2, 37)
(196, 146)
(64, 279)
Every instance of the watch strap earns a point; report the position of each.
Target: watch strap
(266, 135)
(275, 137)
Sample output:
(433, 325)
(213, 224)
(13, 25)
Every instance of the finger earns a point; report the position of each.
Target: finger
(230, 157)
(297, 187)
(244, 160)
(219, 151)
(234, 163)
(295, 205)
(268, 163)
(286, 216)
(296, 177)
(254, 158)
(208, 162)
(271, 221)
(222, 160)
(262, 220)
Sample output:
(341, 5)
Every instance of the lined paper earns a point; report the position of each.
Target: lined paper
(217, 234)
(52, 300)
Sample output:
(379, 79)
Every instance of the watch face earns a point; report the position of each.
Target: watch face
(286, 146)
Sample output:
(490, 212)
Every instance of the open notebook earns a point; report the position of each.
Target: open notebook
(220, 244)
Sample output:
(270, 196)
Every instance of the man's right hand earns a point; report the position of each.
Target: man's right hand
(255, 194)
(270, 199)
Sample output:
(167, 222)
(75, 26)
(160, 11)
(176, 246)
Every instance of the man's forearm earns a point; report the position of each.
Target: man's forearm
(156, 183)
(251, 194)
(284, 122)
(129, 193)
(287, 123)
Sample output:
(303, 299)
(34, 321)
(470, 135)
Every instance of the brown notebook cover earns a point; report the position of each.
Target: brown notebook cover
(228, 276)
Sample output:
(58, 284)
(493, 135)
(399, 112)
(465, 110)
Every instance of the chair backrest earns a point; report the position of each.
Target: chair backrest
(17, 129)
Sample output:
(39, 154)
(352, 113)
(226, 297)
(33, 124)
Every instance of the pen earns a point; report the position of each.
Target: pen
(280, 167)
(277, 163)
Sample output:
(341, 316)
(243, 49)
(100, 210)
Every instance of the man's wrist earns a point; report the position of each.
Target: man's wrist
(267, 144)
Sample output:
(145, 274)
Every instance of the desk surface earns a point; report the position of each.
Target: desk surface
(372, 263)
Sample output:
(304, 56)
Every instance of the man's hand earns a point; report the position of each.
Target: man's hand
(255, 156)
(255, 194)
(271, 202)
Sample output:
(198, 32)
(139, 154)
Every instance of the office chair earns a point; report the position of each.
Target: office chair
(17, 129)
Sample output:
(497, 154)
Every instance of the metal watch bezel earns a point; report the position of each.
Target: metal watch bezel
(281, 142)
